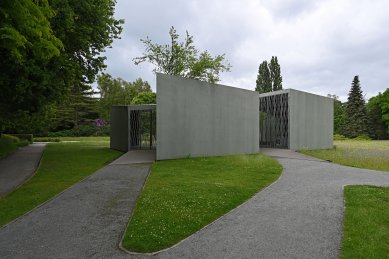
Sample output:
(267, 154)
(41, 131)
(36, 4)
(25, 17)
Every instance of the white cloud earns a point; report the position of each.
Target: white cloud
(320, 45)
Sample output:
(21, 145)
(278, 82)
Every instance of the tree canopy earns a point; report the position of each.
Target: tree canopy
(269, 76)
(183, 59)
(49, 49)
(356, 120)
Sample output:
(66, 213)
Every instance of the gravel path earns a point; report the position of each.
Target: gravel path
(299, 216)
(18, 167)
(87, 220)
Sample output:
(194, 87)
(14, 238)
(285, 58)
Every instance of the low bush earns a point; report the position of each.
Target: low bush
(339, 137)
(362, 137)
(46, 139)
(8, 144)
(81, 131)
(28, 137)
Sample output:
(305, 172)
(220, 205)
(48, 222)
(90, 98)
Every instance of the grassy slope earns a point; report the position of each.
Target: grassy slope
(364, 154)
(181, 196)
(63, 164)
(366, 224)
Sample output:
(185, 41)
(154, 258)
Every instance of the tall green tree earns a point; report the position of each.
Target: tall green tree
(28, 46)
(356, 120)
(378, 129)
(263, 83)
(116, 91)
(183, 59)
(275, 74)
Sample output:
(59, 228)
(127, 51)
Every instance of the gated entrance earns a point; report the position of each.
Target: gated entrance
(274, 120)
(142, 127)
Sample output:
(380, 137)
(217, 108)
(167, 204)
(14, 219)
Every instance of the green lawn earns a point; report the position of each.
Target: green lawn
(63, 164)
(366, 223)
(363, 154)
(182, 196)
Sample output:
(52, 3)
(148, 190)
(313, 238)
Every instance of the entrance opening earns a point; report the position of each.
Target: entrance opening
(273, 121)
(142, 120)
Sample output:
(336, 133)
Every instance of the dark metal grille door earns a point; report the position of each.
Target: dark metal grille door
(273, 121)
(142, 129)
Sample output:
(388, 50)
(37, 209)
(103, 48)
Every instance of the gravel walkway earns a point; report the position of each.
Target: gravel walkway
(18, 167)
(299, 216)
(87, 220)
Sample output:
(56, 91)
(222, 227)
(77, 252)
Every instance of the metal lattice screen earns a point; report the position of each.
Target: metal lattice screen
(273, 121)
(142, 129)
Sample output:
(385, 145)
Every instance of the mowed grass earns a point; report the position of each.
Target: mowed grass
(366, 223)
(182, 196)
(363, 154)
(62, 165)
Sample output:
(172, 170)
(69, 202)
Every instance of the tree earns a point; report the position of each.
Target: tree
(275, 74)
(183, 59)
(116, 91)
(377, 126)
(356, 115)
(27, 47)
(339, 114)
(145, 98)
(263, 83)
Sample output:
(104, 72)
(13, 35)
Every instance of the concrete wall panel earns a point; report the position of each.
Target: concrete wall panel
(311, 121)
(119, 128)
(195, 118)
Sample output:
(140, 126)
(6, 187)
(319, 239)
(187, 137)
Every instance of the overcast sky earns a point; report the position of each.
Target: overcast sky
(321, 45)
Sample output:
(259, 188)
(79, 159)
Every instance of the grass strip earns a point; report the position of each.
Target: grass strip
(182, 196)
(362, 154)
(366, 223)
(63, 164)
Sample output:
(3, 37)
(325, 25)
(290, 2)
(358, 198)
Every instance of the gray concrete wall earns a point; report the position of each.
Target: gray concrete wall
(119, 128)
(195, 118)
(311, 121)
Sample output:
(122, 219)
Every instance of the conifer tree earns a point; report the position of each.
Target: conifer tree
(275, 74)
(263, 83)
(356, 114)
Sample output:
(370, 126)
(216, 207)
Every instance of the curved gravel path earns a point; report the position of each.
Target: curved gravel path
(299, 216)
(18, 167)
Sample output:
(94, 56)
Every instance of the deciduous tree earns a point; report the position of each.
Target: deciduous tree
(183, 59)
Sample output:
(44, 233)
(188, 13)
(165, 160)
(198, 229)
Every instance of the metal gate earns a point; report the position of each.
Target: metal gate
(142, 120)
(273, 121)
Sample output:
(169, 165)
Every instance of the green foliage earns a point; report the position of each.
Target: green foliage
(339, 114)
(275, 74)
(183, 59)
(28, 137)
(182, 196)
(28, 47)
(339, 137)
(362, 137)
(263, 83)
(81, 131)
(366, 225)
(378, 112)
(356, 120)
(63, 164)
(46, 139)
(7, 145)
(145, 98)
(116, 91)
(49, 49)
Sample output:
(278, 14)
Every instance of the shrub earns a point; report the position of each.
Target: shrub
(47, 139)
(11, 138)
(362, 137)
(339, 137)
(81, 131)
(28, 137)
